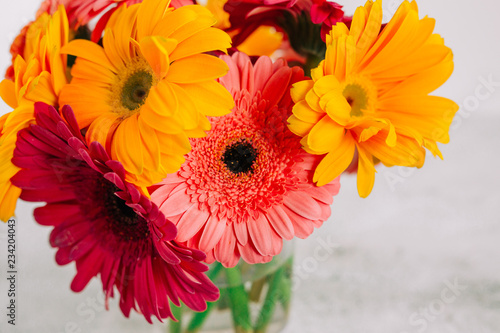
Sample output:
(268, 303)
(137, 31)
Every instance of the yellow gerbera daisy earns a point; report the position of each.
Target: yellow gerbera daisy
(39, 77)
(370, 94)
(150, 87)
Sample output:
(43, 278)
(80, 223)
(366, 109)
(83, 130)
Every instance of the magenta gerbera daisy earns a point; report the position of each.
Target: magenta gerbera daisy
(104, 224)
(247, 185)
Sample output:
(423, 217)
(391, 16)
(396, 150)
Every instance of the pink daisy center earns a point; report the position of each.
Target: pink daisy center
(242, 164)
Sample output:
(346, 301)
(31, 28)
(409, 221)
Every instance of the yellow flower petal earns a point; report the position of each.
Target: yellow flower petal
(367, 35)
(97, 73)
(156, 51)
(8, 93)
(197, 68)
(429, 115)
(211, 98)
(299, 127)
(326, 136)
(313, 101)
(335, 162)
(103, 128)
(305, 113)
(425, 81)
(161, 108)
(407, 151)
(175, 145)
(264, 41)
(300, 89)
(8, 197)
(366, 173)
(191, 119)
(126, 146)
(201, 42)
(326, 84)
(204, 20)
(114, 52)
(336, 107)
(149, 14)
(176, 19)
(152, 149)
(87, 50)
(124, 28)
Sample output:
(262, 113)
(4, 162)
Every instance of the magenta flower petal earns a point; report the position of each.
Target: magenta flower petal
(105, 224)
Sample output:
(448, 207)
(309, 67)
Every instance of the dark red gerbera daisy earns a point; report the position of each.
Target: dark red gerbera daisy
(103, 223)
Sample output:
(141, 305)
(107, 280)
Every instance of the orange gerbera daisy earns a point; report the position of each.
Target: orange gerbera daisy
(150, 87)
(38, 77)
(371, 95)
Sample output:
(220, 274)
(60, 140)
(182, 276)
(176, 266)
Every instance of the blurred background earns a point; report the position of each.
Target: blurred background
(421, 254)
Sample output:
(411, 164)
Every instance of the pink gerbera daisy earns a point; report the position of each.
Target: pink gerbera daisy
(247, 185)
(104, 224)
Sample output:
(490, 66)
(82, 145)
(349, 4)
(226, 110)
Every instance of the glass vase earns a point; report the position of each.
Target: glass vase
(253, 299)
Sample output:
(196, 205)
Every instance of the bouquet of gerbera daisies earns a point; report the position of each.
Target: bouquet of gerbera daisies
(167, 135)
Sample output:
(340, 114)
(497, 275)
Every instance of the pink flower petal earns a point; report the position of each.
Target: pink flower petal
(263, 66)
(277, 242)
(251, 255)
(212, 233)
(260, 232)
(224, 250)
(176, 204)
(280, 222)
(302, 227)
(320, 193)
(241, 232)
(191, 222)
(277, 86)
(303, 205)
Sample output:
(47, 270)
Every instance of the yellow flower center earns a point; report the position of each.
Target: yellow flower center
(361, 94)
(131, 87)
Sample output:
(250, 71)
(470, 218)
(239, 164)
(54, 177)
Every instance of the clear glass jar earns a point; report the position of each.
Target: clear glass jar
(253, 298)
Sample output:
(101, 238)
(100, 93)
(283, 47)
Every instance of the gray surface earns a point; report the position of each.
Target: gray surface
(393, 256)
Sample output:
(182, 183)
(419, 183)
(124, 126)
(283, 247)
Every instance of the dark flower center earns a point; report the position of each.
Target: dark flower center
(240, 157)
(110, 215)
(136, 89)
(122, 220)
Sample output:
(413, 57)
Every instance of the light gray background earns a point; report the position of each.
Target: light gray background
(421, 254)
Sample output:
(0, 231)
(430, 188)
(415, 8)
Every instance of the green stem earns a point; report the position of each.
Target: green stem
(239, 300)
(196, 323)
(175, 326)
(285, 289)
(267, 310)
